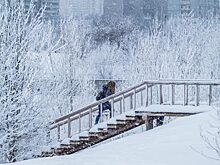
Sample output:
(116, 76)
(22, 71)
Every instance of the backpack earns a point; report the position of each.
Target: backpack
(100, 96)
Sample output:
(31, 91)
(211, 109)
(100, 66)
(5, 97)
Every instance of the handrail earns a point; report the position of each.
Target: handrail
(133, 91)
(96, 103)
(185, 82)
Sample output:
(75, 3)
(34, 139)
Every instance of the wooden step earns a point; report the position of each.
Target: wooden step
(112, 129)
(76, 142)
(130, 121)
(112, 126)
(58, 151)
(121, 121)
(130, 117)
(102, 129)
(116, 126)
(102, 132)
(93, 134)
(47, 154)
(67, 145)
(64, 150)
(93, 138)
(84, 138)
(138, 117)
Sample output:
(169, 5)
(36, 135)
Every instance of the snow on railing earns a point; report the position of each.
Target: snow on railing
(145, 94)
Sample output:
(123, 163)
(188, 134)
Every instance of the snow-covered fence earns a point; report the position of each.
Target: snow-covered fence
(171, 92)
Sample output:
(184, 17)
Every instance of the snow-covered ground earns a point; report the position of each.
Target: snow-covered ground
(171, 144)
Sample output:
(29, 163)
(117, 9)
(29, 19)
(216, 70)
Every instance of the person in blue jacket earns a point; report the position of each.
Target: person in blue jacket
(107, 90)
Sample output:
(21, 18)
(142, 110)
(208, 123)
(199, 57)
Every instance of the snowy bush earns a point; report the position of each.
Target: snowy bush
(22, 125)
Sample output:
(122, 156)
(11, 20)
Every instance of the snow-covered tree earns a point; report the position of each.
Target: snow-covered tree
(23, 35)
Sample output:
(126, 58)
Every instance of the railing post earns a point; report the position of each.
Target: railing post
(151, 95)
(146, 88)
(101, 111)
(80, 128)
(186, 94)
(123, 102)
(210, 95)
(69, 128)
(173, 94)
(58, 132)
(121, 106)
(90, 118)
(197, 95)
(112, 108)
(135, 100)
(48, 134)
(142, 100)
(131, 101)
(161, 94)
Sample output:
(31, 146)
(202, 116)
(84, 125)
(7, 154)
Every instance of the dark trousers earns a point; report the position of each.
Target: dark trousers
(105, 106)
(160, 120)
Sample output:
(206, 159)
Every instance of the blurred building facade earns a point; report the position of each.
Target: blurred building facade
(197, 8)
(51, 8)
(161, 9)
(113, 8)
(81, 7)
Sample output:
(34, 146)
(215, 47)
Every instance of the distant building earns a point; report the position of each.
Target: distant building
(51, 11)
(185, 7)
(138, 10)
(113, 8)
(198, 8)
(155, 9)
(81, 7)
(97, 7)
(134, 9)
(207, 7)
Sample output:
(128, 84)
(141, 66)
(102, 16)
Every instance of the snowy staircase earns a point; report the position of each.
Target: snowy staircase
(93, 137)
(144, 95)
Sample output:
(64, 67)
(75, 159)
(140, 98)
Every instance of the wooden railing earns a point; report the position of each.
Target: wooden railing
(147, 92)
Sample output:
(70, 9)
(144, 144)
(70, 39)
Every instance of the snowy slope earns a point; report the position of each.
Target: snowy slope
(166, 145)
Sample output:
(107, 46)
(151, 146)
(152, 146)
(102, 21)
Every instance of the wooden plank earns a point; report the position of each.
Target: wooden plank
(90, 118)
(142, 99)
(80, 126)
(184, 82)
(161, 94)
(151, 95)
(69, 128)
(135, 99)
(58, 132)
(166, 113)
(131, 101)
(120, 121)
(112, 108)
(147, 97)
(121, 107)
(197, 95)
(123, 102)
(173, 94)
(210, 95)
(186, 94)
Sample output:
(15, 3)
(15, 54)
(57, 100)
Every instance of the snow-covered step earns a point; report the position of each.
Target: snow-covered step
(121, 121)
(97, 134)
